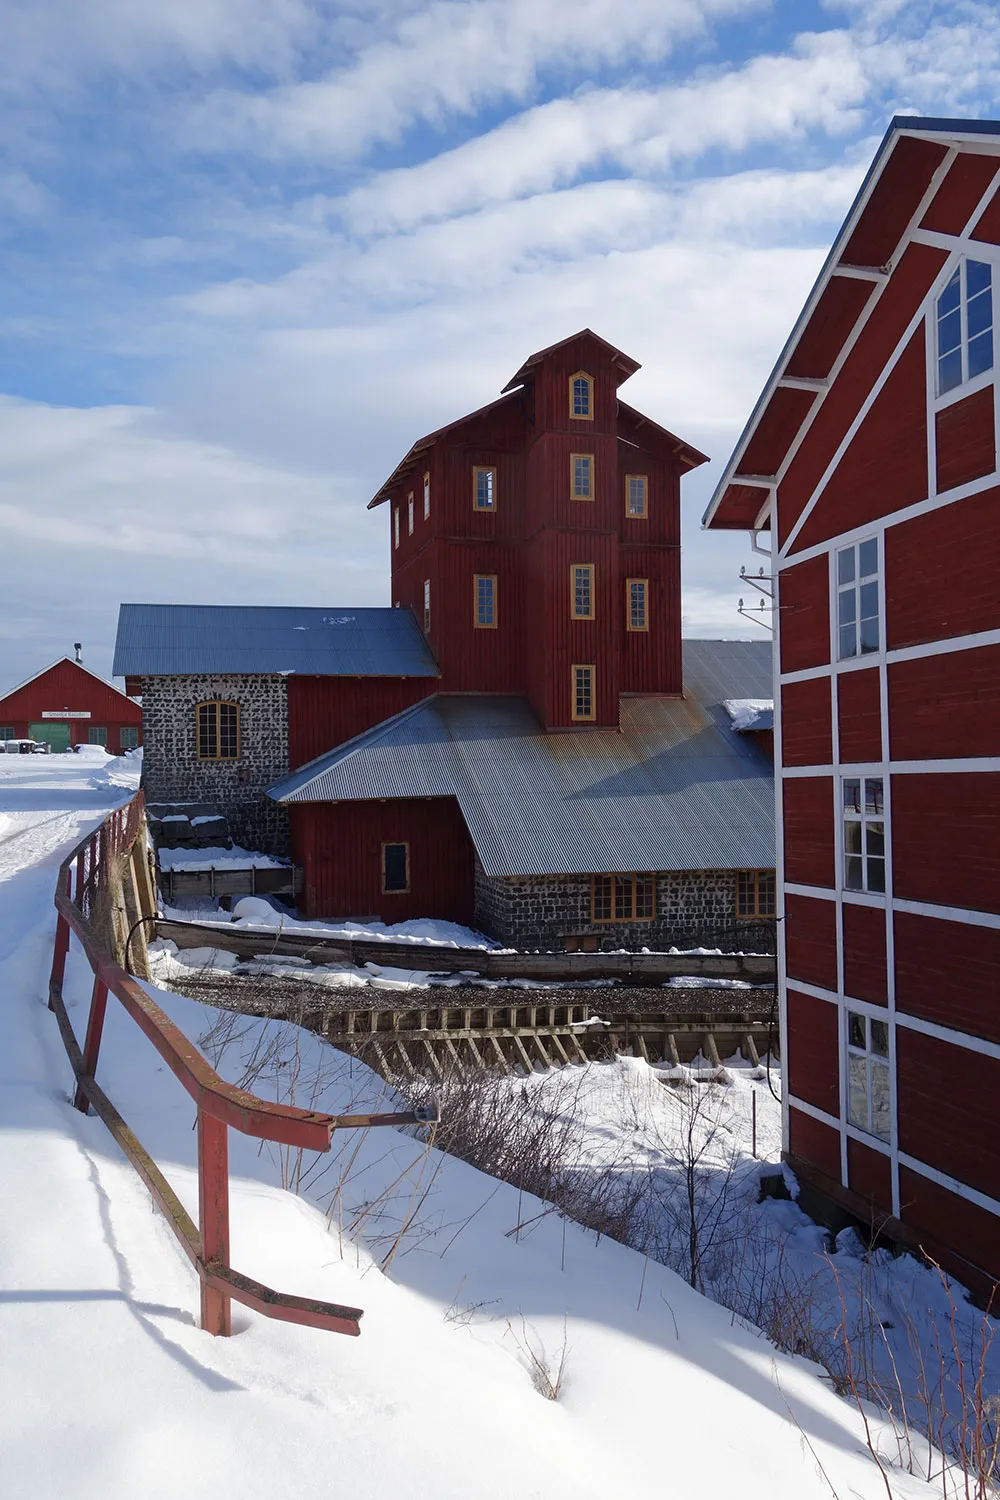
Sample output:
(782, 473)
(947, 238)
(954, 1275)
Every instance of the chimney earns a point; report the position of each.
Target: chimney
(78, 648)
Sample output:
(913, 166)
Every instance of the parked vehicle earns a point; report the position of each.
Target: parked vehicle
(24, 747)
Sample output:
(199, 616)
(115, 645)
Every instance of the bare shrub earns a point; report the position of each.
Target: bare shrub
(546, 1371)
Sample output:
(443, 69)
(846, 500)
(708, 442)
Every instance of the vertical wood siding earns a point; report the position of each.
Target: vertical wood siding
(945, 837)
(941, 572)
(965, 440)
(945, 706)
(804, 598)
(811, 941)
(859, 714)
(865, 969)
(812, 1061)
(948, 972)
(806, 723)
(809, 830)
(324, 712)
(65, 685)
(339, 845)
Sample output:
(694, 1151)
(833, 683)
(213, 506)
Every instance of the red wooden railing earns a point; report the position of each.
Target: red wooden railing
(85, 872)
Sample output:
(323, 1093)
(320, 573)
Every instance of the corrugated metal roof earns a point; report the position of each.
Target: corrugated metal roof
(176, 639)
(675, 790)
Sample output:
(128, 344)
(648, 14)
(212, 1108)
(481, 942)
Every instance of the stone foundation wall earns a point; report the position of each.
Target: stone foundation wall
(172, 772)
(694, 908)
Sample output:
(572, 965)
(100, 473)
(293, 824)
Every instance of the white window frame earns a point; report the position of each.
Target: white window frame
(862, 801)
(866, 1063)
(959, 273)
(853, 596)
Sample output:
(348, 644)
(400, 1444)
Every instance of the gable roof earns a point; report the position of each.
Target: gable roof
(68, 661)
(624, 364)
(675, 789)
(422, 445)
(168, 640)
(853, 275)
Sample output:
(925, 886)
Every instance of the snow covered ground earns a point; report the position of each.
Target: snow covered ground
(108, 1388)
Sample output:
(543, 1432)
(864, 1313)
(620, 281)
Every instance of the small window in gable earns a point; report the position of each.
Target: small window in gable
(965, 326)
(427, 496)
(581, 397)
(635, 496)
(484, 488)
(582, 476)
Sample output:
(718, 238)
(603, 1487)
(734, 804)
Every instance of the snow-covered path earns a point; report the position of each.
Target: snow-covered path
(108, 1389)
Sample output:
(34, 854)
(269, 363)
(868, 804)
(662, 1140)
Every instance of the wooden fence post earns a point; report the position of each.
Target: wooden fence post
(61, 948)
(213, 1217)
(92, 1046)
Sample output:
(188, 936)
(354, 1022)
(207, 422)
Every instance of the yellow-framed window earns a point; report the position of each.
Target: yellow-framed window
(581, 397)
(581, 476)
(636, 603)
(396, 869)
(755, 893)
(427, 606)
(622, 898)
(484, 488)
(395, 526)
(581, 591)
(637, 496)
(409, 514)
(218, 730)
(484, 601)
(427, 496)
(582, 687)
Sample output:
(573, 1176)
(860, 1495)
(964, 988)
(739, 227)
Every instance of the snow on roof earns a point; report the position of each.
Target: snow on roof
(750, 713)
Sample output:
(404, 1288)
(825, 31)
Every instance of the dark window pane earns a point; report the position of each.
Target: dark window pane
(949, 298)
(979, 315)
(852, 873)
(852, 837)
(950, 371)
(856, 1030)
(876, 876)
(868, 559)
(644, 896)
(394, 867)
(875, 839)
(949, 333)
(880, 1038)
(852, 794)
(848, 641)
(848, 606)
(869, 636)
(228, 736)
(869, 600)
(980, 354)
(845, 565)
(977, 277)
(873, 796)
(602, 898)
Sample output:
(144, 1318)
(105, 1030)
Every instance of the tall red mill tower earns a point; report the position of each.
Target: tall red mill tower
(537, 540)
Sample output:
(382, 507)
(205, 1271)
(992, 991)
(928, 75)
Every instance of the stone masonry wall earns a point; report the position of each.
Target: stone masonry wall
(172, 772)
(693, 908)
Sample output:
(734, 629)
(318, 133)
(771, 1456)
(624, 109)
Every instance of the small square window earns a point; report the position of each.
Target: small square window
(484, 484)
(635, 496)
(484, 601)
(636, 590)
(582, 476)
(395, 868)
(583, 692)
(581, 577)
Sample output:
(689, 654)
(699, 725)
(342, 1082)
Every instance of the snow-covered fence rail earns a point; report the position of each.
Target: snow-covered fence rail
(629, 968)
(85, 890)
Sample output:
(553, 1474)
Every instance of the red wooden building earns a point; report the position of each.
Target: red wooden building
(66, 705)
(871, 458)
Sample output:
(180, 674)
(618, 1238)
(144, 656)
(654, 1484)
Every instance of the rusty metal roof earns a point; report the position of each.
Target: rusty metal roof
(676, 789)
(157, 640)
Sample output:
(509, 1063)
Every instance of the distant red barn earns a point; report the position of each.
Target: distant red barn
(67, 705)
(871, 460)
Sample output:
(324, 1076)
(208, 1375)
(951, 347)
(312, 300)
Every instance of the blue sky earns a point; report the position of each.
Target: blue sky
(253, 248)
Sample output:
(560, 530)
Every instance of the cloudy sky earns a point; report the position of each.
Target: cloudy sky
(252, 248)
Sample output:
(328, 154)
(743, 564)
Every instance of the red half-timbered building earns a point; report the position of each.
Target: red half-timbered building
(66, 705)
(871, 459)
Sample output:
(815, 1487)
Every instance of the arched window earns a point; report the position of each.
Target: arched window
(218, 727)
(581, 397)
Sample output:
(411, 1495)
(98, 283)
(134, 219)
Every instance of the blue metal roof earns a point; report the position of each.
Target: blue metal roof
(676, 789)
(157, 640)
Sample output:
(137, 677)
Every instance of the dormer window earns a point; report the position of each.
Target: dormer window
(965, 326)
(581, 397)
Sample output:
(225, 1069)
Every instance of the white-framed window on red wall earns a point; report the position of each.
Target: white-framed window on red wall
(868, 1092)
(864, 834)
(964, 325)
(859, 612)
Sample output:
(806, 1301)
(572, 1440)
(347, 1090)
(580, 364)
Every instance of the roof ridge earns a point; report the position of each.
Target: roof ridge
(343, 752)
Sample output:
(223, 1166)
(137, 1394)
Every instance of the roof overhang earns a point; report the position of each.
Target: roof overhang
(623, 364)
(912, 153)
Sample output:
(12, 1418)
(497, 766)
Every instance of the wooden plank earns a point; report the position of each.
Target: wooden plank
(672, 1052)
(519, 1046)
(556, 1042)
(752, 1055)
